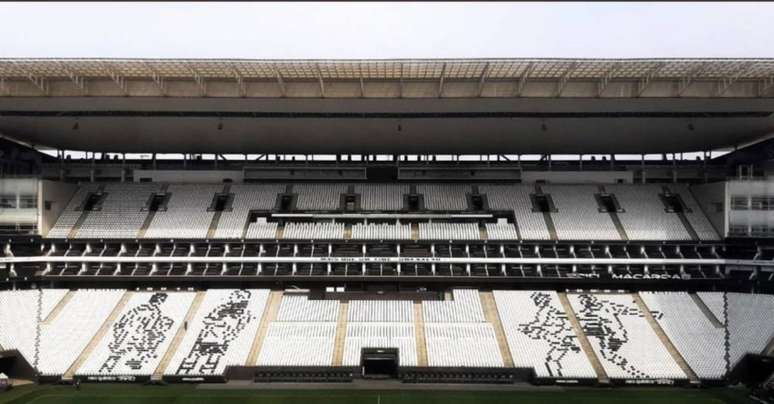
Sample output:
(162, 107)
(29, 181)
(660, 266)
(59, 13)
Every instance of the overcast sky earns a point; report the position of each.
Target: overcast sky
(385, 30)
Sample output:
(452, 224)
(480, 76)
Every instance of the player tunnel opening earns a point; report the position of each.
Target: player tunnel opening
(379, 363)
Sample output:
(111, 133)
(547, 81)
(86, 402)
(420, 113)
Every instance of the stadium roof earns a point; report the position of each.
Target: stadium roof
(387, 106)
(725, 72)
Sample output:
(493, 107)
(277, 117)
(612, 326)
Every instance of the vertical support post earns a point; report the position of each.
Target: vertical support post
(674, 169)
(642, 168)
(61, 154)
(91, 171)
(123, 167)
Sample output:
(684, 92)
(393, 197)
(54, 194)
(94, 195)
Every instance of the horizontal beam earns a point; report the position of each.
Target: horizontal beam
(383, 260)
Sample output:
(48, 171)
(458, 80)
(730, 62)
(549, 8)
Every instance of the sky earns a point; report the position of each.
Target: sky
(386, 30)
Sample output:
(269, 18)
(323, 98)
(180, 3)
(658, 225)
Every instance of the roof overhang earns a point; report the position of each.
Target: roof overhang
(387, 106)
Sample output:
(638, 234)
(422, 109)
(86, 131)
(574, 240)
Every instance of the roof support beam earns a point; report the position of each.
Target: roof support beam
(161, 84)
(78, 82)
(727, 82)
(39, 82)
(441, 80)
(117, 78)
(565, 78)
(240, 81)
(686, 81)
(400, 80)
(199, 80)
(360, 76)
(765, 85)
(645, 82)
(605, 81)
(280, 83)
(523, 79)
(320, 79)
(482, 79)
(4, 90)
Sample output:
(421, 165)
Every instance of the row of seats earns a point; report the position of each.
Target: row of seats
(699, 341)
(749, 320)
(70, 215)
(576, 217)
(64, 337)
(380, 324)
(695, 215)
(303, 333)
(380, 335)
(516, 199)
(261, 230)
(298, 308)
(313, 231)
(449, 231)
(121, 214)
(621, 337)
(381, 232)
(187, 215)
(501, 230)
(457, 334)
(537, 330)
(247, 197)
(540, 335)
(444, 196)
(298, 344)
(465, 307)
(139, 337)
(644, 217)
(462, 344)
(382, 197)
(221, 333)
(319, 196)
(380, 311)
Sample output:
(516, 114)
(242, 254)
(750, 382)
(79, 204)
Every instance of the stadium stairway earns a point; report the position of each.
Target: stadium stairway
(686, 223)
(82, 218)
(493, 317)
(58, 308)
(482, 232)
(151, 214)
(68, 375)
(547, 217)
(341, 334)
(616, 220)
(269, 315)
(419, 334)
(216, 217)
(769, 350)
(676, 355)
(178, 338)
(602, 376)
(280, 231)
(707, 312)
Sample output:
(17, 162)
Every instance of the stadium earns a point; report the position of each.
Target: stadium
(586, 225)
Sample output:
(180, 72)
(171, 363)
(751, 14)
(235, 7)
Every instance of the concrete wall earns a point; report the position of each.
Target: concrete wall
(14, 190)
(714, 201)
(189, 176)
(58, 194)
(578, 177)
(750, 189)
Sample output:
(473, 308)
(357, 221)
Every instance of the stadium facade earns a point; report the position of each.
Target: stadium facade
(497, 220)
